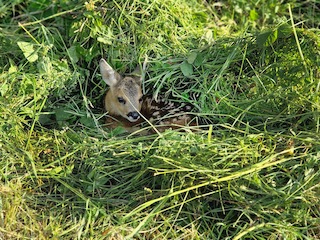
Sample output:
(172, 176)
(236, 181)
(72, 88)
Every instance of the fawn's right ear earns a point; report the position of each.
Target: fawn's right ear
(109, 75)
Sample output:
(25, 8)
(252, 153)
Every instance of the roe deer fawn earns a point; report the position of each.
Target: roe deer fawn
(127, 106)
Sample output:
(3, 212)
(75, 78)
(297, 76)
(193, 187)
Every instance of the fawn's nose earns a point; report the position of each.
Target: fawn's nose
(134, 115)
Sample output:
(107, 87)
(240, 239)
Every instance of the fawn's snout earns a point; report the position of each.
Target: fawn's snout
(133, 116)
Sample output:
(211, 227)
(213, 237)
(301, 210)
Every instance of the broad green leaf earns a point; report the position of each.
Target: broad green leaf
(87, 121)
(72, 51)
(267, 38)
(28, 51)
(273, 37)
(186, 68)
(199, 60)
(45, 119)
(263, 38)
(192, 57)
(63, 114)
(284, 30)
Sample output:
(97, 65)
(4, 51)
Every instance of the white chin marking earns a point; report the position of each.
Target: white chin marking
(133, 120)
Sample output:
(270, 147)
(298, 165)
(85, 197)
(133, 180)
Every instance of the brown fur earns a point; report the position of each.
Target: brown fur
(124, 98)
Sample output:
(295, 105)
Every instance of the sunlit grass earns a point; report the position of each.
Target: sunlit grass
(251, 170)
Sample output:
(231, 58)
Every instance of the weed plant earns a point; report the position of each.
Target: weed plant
(251, 70)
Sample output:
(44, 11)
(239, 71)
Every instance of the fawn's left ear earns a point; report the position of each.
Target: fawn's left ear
(109, 75)
(137, 74)
(140, 71)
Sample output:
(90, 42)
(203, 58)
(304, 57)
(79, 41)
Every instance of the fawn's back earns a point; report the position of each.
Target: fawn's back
(127, 106)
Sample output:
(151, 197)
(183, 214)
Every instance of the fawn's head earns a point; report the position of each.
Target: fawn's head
(124, 97)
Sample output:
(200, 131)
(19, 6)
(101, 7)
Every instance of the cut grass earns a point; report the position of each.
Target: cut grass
(250, 172)
(246, 179)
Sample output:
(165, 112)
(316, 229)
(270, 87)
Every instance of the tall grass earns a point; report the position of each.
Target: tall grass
(250, 69)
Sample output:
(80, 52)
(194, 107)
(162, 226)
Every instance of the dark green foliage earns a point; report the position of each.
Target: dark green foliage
(250, 68)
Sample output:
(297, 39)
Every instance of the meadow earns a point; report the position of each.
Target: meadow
(250, 68)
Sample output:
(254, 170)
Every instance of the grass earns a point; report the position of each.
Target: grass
(251, 69)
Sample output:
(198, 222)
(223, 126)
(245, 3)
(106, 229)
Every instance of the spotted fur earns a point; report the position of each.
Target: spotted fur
(127, 106)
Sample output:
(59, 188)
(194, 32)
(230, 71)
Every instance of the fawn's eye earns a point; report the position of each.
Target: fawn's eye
(121, 100)
(140, 100)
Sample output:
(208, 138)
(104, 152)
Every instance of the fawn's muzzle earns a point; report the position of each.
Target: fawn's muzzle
(133, 116)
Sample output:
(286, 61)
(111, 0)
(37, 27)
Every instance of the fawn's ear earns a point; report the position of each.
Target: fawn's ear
(137, 74)
(110, 76)
(140, 71)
